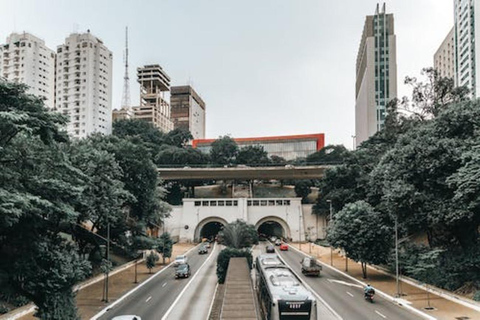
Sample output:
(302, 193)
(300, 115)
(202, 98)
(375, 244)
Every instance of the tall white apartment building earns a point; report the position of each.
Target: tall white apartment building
(376, 74)
(26, 59)
(444, 58)
(84, 85)
(467, 49)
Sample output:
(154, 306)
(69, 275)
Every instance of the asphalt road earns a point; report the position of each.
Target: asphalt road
(344, 295)
(154, 299)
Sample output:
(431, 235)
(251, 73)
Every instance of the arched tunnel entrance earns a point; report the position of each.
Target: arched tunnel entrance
(271, 228)
(210, 230)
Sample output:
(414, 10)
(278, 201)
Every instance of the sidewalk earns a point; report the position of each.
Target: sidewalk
(89, 298)
(444, 309)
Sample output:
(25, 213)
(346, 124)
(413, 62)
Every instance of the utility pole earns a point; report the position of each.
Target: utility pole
(329, 222)
(396, 256)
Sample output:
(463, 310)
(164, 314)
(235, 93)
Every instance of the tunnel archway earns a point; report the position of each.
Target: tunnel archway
(273, 226)
(209, 227)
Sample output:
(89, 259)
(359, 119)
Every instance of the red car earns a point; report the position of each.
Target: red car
(284, 247)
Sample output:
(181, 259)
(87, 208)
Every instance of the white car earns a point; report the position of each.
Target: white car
(183, 259)
(127, 317)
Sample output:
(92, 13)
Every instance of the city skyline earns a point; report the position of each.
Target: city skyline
(252, 70)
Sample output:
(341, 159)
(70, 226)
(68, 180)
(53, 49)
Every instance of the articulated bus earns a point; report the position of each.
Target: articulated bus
(281, 294)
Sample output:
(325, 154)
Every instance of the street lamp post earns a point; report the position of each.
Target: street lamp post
(107, 263)
(329, 222)
(396, 257)
(299, 228)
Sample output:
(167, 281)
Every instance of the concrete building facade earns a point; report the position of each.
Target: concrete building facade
(444, 58)
(188, 110)
(293, 220)
(154, 97)
(84, 85)
(467, 47)
(376, 74)
(26, 59)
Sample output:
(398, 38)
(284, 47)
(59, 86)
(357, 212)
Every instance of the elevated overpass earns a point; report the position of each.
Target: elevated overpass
(244, 173)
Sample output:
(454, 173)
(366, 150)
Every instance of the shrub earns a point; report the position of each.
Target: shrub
(224, 259)
(476, 296)
(152, 259)
(4, 309)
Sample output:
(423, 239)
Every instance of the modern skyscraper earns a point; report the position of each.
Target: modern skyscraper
(24, 58)
(84, 84)
(188, 111)
(444, 58)
(376, 74)
(467, 49)
(154, 90)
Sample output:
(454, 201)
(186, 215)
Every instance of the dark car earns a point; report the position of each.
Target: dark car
(270, 249)
(182, 271)
(203, 249)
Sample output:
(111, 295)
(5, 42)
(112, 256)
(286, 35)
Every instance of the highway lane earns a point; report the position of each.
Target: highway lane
(153, 299)
(195, 302)
(344, 295)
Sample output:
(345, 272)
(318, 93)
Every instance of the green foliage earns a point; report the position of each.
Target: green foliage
(224, 151)
(4, 309)
(179, 156)
(252, 156)
(476, 296)
(178, 137)
(362, 233)
(223, 260)
(303, 188)
(238, 234)
(143, 131)
(276, 160)
(152, 259)
(165, 245)
(331, 154)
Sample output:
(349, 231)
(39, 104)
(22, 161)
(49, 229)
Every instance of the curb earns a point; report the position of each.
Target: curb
(108, 307)
(386, 296)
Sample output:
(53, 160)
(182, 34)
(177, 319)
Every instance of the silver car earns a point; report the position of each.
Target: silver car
(127, 317)
(182, 259)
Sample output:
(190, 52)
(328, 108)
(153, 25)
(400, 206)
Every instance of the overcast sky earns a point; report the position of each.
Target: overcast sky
(263, 67)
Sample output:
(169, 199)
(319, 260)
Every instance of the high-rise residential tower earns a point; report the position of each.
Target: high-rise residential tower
(84, 84)
(376, 74)
(467, 44)
(154, 90)
(444, 58)
(188, 110)
(24, 58)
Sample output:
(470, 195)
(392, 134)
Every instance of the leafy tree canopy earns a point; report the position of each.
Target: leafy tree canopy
(224, 151)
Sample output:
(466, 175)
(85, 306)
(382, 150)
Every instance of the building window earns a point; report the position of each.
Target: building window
(197, 203)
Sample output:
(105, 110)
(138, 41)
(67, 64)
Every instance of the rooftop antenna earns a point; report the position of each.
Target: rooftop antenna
(126, 79)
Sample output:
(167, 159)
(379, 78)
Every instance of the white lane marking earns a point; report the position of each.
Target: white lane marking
(345, 283)
(163, 285)
(211, 304)
(386, 296)
(104, 310)
(351, 295)
(381, 315)
(148, 299)
(188, 285)
(311, 290)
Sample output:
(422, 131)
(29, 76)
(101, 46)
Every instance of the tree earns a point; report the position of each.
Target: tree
(303, 188)
(152, 259)
(424, 267)
(178, 137)
(22, 113)
(165, 245)
(277, 160)
(151, 137)
(179, 156)
(252, 155)
(362, 233)
(331, 154)
(238, 234)
(430, 97)
(224, 151)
